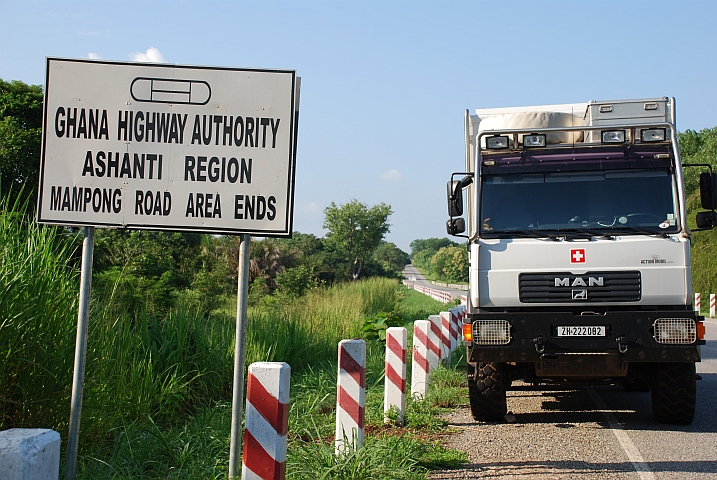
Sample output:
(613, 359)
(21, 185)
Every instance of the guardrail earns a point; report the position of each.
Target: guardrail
(436, 294)
(454, 286)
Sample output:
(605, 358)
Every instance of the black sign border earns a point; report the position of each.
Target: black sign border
(286, 232)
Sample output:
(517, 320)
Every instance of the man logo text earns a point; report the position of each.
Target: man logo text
(579, 282)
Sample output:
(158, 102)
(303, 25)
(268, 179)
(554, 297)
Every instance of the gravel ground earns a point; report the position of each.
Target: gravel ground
(553, 437)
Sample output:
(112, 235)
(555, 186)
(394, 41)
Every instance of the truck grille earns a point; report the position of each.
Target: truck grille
(591, 287)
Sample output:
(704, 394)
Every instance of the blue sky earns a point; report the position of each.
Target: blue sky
(385, 84)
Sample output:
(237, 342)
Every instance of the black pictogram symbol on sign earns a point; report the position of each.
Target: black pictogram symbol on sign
(167, 90)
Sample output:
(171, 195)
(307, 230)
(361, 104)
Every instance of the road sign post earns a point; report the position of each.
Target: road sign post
(78, 375)
(239, 357)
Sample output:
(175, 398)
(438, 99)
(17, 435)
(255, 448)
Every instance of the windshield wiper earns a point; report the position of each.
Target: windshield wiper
(528, 233)
(587, 232)
(640, 230)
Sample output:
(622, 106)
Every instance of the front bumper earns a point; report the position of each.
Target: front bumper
(629, 336)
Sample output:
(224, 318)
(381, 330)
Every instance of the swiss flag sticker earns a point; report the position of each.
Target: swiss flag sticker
(577, 255)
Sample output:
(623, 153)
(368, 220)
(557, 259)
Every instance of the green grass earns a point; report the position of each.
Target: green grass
(417, 306)
(38, 308)
(197, 446)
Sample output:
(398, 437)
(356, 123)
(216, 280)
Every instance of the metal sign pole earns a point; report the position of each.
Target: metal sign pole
(239, 357)
(78, 376)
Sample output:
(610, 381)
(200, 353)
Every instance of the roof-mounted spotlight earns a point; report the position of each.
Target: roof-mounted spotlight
(497, 142)
(613, 136)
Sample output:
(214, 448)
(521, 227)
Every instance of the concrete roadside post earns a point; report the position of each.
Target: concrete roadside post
(446, 319)
(434, 341)
(395, 377)
(350, 395)
(698, 301)
(29, 454)
(420, 368)
(267, 421)
(454, 328)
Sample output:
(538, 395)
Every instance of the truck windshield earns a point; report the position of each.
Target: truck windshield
(635, 201)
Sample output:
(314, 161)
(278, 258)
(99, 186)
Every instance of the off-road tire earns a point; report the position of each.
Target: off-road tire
(674, 393)
(486, 392)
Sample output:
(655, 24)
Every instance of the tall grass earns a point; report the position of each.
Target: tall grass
(146, 367)
(38, 308)
(307, 330)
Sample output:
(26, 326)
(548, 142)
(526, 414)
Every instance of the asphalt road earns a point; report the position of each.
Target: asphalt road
(410, 273)
(591, 433)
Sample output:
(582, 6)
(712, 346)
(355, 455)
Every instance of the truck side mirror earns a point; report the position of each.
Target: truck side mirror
(454, 226)
(706, 220)
(455, 199)
(708, 190)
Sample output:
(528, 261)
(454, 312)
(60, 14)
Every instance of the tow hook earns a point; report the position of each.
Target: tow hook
(539, 344)
(621, 343)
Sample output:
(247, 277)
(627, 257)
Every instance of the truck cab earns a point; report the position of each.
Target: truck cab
(579, 252)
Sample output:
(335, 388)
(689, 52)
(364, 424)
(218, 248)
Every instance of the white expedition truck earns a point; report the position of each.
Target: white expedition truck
(579, 252)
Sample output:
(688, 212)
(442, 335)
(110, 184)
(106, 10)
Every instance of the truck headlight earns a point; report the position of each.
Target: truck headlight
(675, 330)
(491, 332)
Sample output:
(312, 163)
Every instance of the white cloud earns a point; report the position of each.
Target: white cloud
(93, 56)
(88, 33)
(391, 175)
(151, 55)
(313, 207)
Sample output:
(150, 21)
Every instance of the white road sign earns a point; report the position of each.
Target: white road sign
(171, 147)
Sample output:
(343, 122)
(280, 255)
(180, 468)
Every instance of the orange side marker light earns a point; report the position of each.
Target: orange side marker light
(700, 331)
(468, 332)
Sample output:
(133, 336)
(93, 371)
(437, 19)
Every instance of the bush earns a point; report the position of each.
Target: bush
(296, 281)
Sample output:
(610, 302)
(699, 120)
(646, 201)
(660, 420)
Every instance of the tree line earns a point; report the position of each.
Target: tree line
(354, 246)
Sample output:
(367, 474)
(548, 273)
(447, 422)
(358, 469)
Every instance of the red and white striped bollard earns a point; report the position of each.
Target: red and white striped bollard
(420, 368)
(395, 378)
(454, 329)
(697, 303)
(351, 395)
(446, 319)
(712, 305)
(267, 421)
(434, 341)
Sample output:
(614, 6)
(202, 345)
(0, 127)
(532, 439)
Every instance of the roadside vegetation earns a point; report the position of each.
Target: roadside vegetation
(157, 400)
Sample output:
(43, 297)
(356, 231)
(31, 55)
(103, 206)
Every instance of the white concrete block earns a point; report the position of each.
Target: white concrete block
(29, 454)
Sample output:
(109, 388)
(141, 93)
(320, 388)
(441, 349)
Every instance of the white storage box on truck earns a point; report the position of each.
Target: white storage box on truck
(579, 251)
